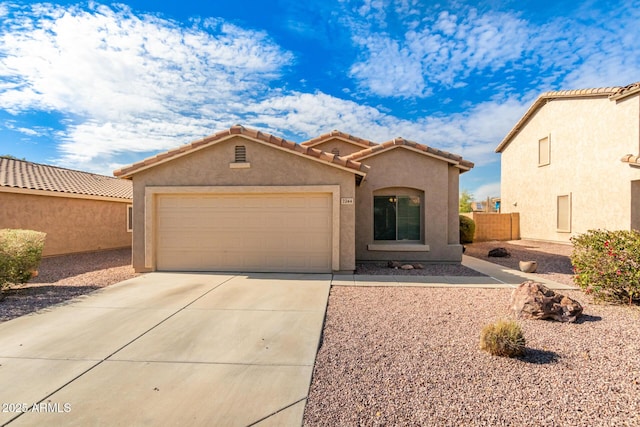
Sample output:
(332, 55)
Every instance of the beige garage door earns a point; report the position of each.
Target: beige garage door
(244, 232)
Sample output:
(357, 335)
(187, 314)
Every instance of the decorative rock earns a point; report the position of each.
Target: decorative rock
(528, 266)
(533, 300)
(407, 267)
(418, 266)
(394, 264)
(499, 253)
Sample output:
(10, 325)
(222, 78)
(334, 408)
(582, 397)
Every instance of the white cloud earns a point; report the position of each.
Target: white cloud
(473, 134)
(487, 190)
(125, 81)
(454, 48)
(442, 51)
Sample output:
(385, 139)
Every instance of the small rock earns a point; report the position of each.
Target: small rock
(394, 264)
(407, 267)
(533, 300)
(418, 266)
(499, 253)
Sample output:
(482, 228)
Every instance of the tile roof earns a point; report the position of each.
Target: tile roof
(401, 142)
(614, 93)
(34, 176)
(631, 159)
(128, 171)
(625, 91)
(340, 135)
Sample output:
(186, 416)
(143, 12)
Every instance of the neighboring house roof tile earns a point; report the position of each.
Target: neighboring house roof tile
(399, 142)
(254, 134)
(625, 91)
(340, 135)
(631, 159)
(614, 93)
(34, 176)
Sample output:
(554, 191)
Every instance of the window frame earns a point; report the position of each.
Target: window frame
(129, 218)
(567, 214)
(397, 196)
(546, 159)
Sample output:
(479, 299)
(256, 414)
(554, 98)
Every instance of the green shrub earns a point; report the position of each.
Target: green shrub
(503, 338)
(20, 255)
(467, 229)
(607, 264)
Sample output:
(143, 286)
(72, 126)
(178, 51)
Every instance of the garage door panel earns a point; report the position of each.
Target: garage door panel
(252, 232)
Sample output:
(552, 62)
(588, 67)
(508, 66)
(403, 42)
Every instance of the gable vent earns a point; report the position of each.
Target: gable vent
(241, 154)
(336, 151)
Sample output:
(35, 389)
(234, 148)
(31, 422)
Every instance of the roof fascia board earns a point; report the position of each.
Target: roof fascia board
(407, 147)
(339, 137)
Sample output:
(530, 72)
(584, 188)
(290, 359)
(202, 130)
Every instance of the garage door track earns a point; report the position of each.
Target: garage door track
(168, 349)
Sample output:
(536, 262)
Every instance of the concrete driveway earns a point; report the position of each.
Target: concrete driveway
(168, 349)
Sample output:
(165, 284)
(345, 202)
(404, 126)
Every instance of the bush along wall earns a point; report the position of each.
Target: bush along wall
(607, 264)
(467, 229)
(20, 255)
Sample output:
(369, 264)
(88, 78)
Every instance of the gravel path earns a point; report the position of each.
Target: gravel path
(410, 357)
(62, 278)
(553, 258)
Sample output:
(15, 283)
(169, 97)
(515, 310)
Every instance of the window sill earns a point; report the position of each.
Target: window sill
(244, 165)
(398, 247)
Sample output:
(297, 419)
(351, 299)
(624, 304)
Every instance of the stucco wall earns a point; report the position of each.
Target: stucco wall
(72, 224)
(402, 168)
(269, 167)
(588, 137)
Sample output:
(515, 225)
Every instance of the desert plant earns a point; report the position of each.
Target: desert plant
(20, 255)
(467, 229)
(607, 264)
(503, 338)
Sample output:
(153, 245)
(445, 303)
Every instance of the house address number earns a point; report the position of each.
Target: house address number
(346, 201)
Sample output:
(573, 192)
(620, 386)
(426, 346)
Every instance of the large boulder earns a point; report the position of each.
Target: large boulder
(499, 253)
(533, 300)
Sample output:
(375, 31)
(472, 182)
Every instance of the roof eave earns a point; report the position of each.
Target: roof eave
(547, 97)
(407, 147)
(216, 139)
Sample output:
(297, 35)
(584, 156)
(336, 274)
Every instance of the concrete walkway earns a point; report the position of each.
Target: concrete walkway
(167, 349)
(497, 276)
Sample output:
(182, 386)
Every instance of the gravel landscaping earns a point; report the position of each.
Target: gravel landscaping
(62, 278)
(410, 356)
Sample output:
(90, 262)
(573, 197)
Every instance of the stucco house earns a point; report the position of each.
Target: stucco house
(79, 211)
(571, 163)
(244, 200)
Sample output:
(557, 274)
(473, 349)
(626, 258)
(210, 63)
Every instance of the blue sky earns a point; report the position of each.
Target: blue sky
(94, 86)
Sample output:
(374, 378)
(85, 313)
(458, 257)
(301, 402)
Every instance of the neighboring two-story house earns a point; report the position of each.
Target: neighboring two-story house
(571, 163)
